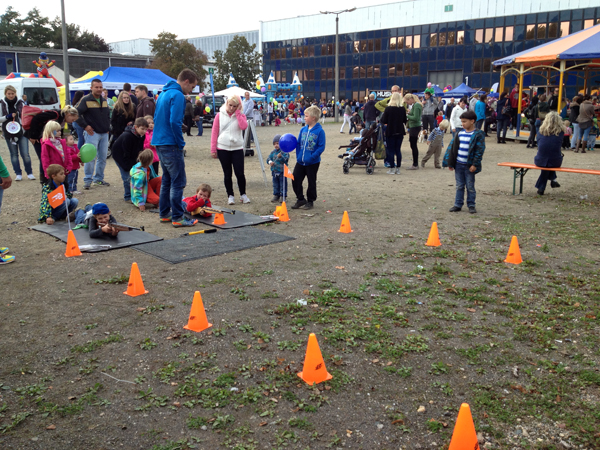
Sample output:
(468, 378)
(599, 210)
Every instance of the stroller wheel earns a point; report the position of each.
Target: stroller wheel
(371, 166)
(346, 167)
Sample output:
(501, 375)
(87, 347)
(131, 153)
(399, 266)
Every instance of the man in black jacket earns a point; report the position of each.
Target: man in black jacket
(370, 112)
(94, 118)
(126, 149)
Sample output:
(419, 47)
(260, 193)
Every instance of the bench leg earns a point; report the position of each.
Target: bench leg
(519, 173)
(514, 180)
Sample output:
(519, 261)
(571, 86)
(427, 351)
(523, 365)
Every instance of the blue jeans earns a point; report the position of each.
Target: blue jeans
(60, 212)
(100, 141)
(22, 147)
(173, 181)
(80, 136)
(464, 178)
(393, 150)
(280, 185)
(576, 135)
(585, 134)
(199, 124)
(72, 180)
(502, 126)
(126, 177)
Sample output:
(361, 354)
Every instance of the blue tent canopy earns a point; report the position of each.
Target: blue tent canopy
(114, 78)
(461, 91)
(439, 92)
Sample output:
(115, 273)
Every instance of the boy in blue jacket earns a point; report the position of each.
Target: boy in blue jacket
(311, 143)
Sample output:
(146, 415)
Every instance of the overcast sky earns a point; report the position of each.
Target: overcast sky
(121, 20)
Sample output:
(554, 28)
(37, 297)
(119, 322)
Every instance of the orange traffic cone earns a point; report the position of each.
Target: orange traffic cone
(135, 286)
(314, 370)
(283, 213)
(197, 321)
(219, 219)
(514, 253)
(434, 236)
(345, 227)
(464, 435)
(72, 246)
(277, 211)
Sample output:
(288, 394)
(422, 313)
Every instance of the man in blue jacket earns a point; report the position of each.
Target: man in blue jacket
(169, 143)
(311, 143)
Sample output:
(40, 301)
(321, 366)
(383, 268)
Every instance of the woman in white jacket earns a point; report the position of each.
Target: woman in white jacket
(457, 111)
(227, 144)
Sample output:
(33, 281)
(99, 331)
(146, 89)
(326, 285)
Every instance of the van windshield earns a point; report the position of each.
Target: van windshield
(40, 96)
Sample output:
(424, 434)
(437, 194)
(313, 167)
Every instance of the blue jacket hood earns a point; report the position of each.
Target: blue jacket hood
(168, 116)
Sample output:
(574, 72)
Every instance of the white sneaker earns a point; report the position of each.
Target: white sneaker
(397, 170)
(18, 178)
(244, 199)
(231, 200)
(30, 176)
(391, 172)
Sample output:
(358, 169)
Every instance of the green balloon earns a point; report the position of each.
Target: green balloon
(87, 153)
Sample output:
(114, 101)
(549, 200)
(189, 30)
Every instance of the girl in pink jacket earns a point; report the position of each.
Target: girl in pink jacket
(147, 143)
(54, 149)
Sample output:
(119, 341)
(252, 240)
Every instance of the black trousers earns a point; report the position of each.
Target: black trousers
(429, 122)
(235, 159)
(413, 138)
(156, 166)
(189, 122)
(310, 172)
(38, 151)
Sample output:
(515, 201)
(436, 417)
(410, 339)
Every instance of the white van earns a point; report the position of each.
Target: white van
(41, 92)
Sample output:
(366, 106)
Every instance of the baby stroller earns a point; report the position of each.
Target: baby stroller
(361, 152)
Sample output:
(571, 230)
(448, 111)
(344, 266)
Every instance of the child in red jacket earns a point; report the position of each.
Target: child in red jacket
(200, 200)
(75, 163)
(54, 149)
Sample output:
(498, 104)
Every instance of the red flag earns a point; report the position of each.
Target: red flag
(57, 196)
(287, 173)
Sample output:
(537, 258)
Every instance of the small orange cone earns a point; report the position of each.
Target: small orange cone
(283, 213)
(135, 286)
(72, 246)
(434, 236)
(219, 219)
(197, 321)
(277, 211)
(345, 227)
(464, 435)
(314, 370)
(514, 253)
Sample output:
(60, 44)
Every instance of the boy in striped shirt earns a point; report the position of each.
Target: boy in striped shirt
(463, 156)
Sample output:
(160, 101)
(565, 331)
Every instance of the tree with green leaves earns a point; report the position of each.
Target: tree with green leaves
(172, 55)
(86, 41)
(241, 60)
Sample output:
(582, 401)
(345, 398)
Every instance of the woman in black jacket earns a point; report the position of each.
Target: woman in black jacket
(394, 116)
(122, 116)
(575, 106)
(532, 117)
(11, 112)
(502, 117)
(126, 149)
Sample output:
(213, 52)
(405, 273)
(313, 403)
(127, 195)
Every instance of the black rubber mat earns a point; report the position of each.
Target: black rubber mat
(237, 220)
(200, 246)
(88, 244)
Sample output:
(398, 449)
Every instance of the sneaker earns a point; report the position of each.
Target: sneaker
(30, 176)
(86, 186)
(554, 184)
(165, 219)
(18, 177)
(455, 209)
(76, 192)
(422, 164)
(298, 204)
(185, 223)
(386, 164)
(392, 171)
(3, 251)
(413, 168)
(583, 150)
(244, 199)
(101, 183)
(275, 199)
(6, 259)
(438, 167)
(397, 170)
(308, 205)
(472, 210)
(231, 200)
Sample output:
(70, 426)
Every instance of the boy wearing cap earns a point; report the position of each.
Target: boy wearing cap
(276, 160)
(99, 222)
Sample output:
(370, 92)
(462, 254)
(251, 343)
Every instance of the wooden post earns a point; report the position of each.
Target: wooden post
(585, 80)
(501, 87)
(563, 65)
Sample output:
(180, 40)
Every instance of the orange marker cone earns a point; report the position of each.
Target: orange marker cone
(464, 435)
(219, 219)
(434, 236)
(72, 246)
(314, 370)
(345, 227)
(197, 321)
(514, 253)
(135, 286)
(283, 213)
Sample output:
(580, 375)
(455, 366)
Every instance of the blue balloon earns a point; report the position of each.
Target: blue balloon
(288, 143)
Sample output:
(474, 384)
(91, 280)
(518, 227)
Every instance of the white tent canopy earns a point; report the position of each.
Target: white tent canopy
(235, 90)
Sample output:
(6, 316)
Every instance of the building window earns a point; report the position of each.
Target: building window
(356, 47)
(342, 73)
(417, 41)
(530, 34)
(441, 39)
(460, 37)
(489, 35)
(376, 72)
(323, 49)
(541, 31)
(369, 71)
(588, 23)
(284, 76)
(553, 30)
(377, 45)
(476, 65)
(451, 38)
(564, 29)
(330, 75)
(311, 74)
(355, 72)
(272, 54)
(508, 33)
(393, 43)
(294, 52)
(323, 74)
(433, 42)
(407, 70)
(487, 64)
(370, 45)
(400, 43)
(498, 36)
(415, 69)
(299, 52)
(364, 45)
(479, 36)
(311, 50)
(392, 70)
(448, 8)
(408, 42)
(330, 49)
(363, 72)
(342, 48)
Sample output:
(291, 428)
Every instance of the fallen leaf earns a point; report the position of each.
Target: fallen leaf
(262, 424)
(140, 309)
(305, 292)
(340, 267)
(51, 427)
(400, 421)
(274, 400)
(471, 310)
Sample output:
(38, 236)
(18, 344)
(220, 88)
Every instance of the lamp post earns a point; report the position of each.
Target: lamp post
(337, 61)
(65, 54)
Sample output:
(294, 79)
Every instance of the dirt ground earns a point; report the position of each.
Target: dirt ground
(408, 332)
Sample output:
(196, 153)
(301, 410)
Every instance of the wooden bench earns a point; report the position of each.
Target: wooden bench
(521, 169)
